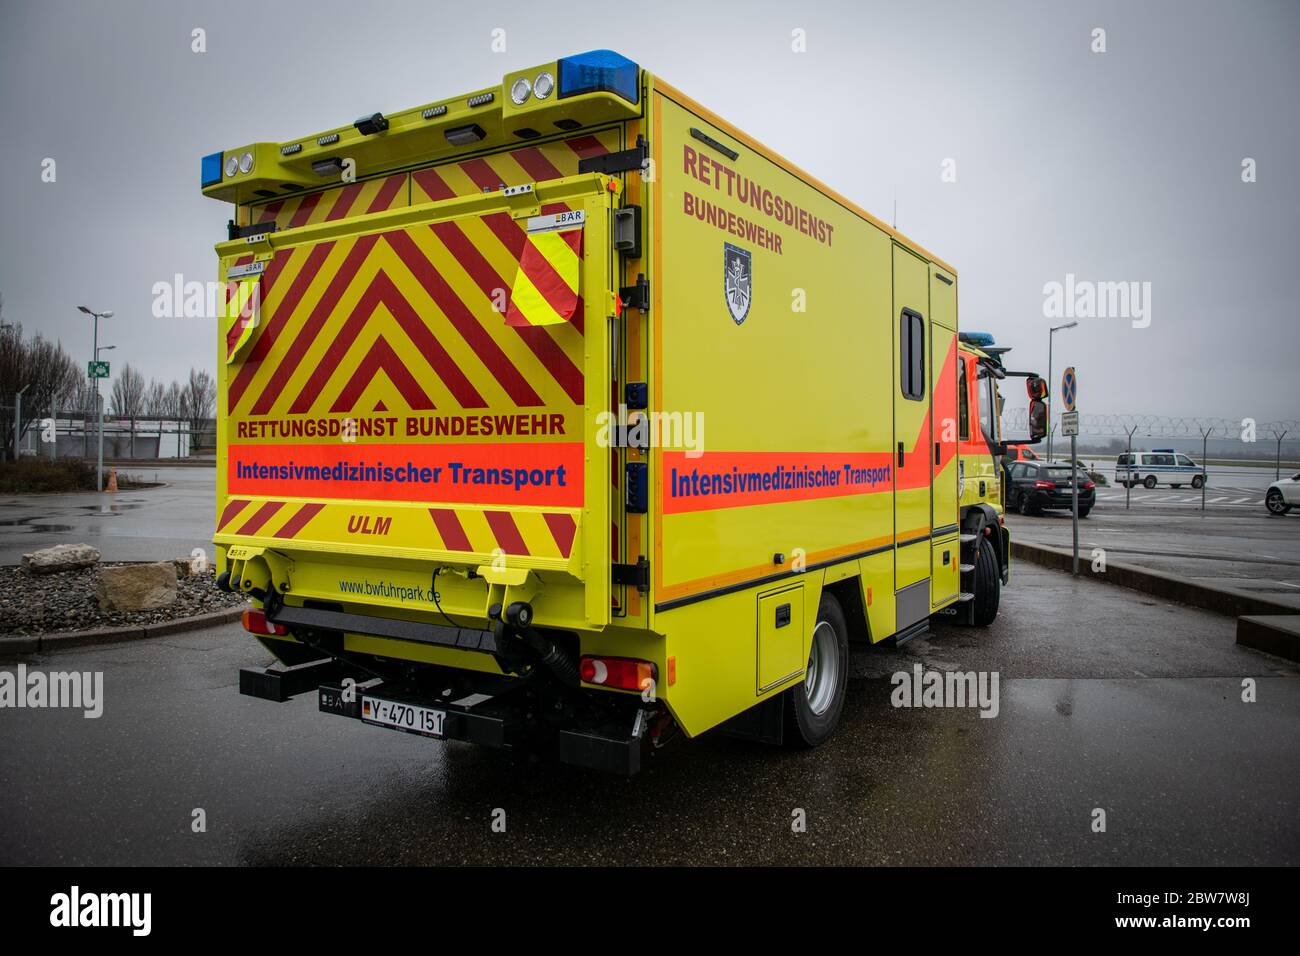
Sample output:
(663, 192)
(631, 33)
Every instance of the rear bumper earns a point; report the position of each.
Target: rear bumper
(503, 721)
(1054, 502)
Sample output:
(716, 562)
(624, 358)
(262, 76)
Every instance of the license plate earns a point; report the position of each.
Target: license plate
(408, 717)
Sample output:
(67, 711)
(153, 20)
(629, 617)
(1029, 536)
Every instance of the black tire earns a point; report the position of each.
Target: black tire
(1084, 512)
(1023, 506)
(988, 583)
(1275, 503)
(807, 726)
(1149, 481)
(1198, 482)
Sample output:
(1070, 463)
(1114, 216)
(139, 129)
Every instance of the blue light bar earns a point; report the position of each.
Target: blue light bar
(599, 71)
(211, 169)
(978, 339)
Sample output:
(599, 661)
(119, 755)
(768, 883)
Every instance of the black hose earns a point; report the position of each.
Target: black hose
(559, 663)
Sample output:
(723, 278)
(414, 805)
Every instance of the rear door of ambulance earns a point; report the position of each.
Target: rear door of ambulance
(419, 388)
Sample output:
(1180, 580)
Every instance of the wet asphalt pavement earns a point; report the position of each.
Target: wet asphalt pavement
(1136, 710)
(145, 524)
(1241, 548)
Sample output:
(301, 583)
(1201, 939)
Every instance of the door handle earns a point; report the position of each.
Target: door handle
(936, 453)
(900, 454)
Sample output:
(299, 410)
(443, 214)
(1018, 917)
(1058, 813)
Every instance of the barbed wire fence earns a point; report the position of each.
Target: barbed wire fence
(1168, 426)
(1264, 441)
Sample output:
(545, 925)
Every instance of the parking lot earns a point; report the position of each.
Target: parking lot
(1107, 700)
(1233, 543)
(143, 525)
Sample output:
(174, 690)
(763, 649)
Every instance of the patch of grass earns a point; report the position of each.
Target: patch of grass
(33, 476)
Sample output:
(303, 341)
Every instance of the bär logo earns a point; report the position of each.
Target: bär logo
(737, 279)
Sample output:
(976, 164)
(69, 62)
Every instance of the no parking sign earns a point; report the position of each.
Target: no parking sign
(1069, 388)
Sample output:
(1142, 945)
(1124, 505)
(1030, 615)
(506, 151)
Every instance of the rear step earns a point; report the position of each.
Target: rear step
(912, 630)
(281, 683)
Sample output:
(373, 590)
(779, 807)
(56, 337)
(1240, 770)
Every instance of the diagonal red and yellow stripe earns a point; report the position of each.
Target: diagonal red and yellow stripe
(410, 318)
(545, 290)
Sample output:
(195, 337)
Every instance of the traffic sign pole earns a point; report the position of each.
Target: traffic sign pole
(1069, 394)
(1074, 497)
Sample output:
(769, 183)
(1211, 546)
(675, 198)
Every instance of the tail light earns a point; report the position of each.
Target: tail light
(621, 672)
(1044, 484)
(1088, 484)
(255, 622)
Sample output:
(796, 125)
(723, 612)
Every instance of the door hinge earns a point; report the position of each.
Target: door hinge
(624, 161)
(636, 575)
(636, 296)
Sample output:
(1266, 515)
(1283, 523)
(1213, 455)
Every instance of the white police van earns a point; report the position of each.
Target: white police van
(1162, 466)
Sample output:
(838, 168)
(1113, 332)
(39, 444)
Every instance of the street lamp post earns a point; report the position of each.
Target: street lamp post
(1050, 384)
(99, 401)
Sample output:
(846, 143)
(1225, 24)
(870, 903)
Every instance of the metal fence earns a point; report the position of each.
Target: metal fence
(76, 435)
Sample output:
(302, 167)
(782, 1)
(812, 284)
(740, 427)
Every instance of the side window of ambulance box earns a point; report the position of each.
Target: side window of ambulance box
(911, 353)
(963, 402)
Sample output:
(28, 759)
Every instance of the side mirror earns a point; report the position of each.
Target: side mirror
(1037, 418)
(1036, 387)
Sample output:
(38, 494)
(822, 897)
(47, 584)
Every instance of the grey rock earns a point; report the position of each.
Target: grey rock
(61, 557)
(137, 587)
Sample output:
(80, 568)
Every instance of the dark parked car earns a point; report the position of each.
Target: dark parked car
(1038, 486)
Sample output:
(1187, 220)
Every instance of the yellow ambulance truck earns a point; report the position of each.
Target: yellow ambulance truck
(565, 415)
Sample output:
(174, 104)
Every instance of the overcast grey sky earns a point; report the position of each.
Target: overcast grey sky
(1115, 166)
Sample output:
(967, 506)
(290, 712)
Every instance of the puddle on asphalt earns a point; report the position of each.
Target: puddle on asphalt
(30, 525)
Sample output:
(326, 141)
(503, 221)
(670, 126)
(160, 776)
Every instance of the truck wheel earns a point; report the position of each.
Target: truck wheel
(815, 705)
(1149, 481)
(1275, 503)
(1198, 481)
(988, 583)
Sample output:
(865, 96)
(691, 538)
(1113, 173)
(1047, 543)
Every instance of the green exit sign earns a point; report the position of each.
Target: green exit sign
(97, 369)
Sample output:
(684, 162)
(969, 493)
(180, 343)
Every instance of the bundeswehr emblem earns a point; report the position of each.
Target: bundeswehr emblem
(737, 277)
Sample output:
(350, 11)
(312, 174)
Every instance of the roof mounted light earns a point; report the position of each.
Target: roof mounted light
(327, 167)
(232, 165)
(328, 139)
(433, 111)
(211, 169)
(978, 339)
(369, 125)
(291, 149)
(543, 85)
(246, 163)
(599, 71)
(464, 135)
(519, 91)
(481, 99)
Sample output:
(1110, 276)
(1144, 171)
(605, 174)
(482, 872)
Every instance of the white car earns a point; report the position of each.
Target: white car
(1282, 495)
